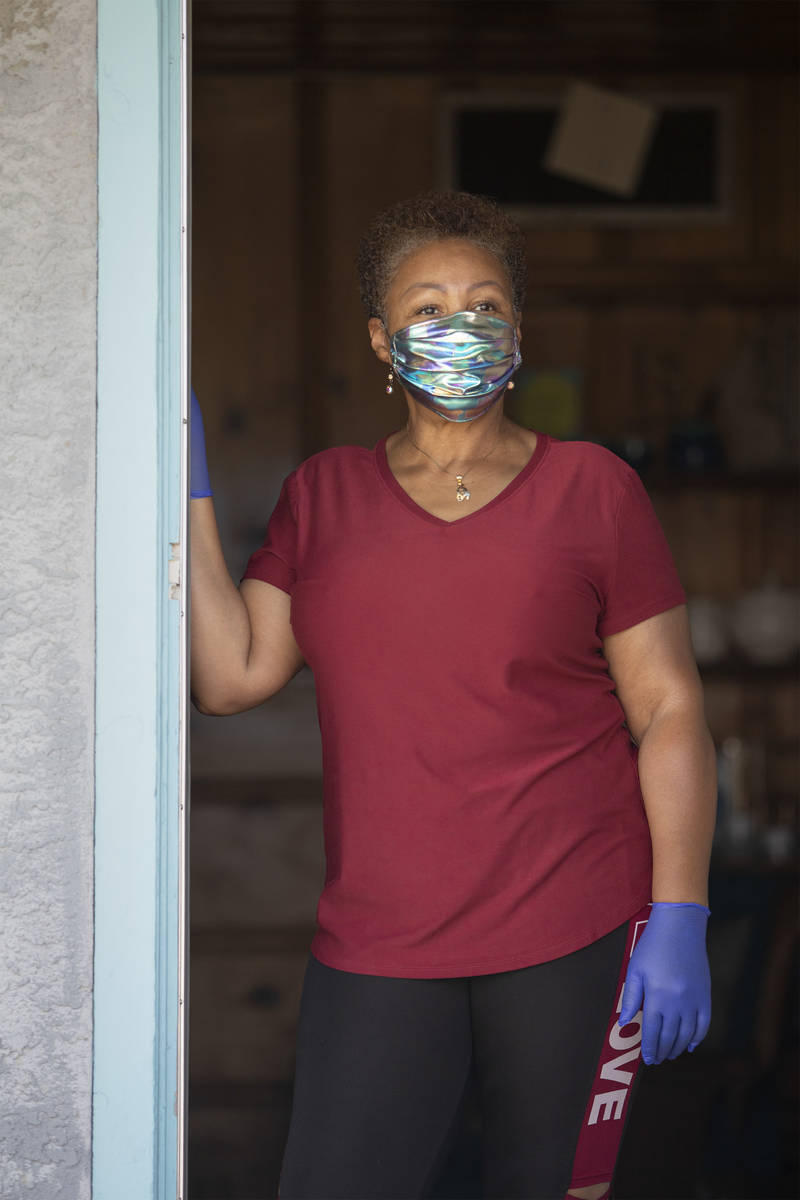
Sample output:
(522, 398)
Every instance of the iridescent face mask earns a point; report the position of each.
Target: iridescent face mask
(456, 365)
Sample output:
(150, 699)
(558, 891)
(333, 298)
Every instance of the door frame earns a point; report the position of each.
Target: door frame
(141, 697)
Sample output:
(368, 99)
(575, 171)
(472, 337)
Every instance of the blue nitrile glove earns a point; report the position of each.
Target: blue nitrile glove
(200, 484)
(669, 975)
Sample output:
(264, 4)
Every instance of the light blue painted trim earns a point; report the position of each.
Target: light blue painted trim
(170, 1097)
(140, 451)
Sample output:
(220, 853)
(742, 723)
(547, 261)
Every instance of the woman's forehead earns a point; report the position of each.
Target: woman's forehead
(449, 262)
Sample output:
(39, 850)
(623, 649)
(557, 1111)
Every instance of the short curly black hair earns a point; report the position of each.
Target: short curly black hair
(433, 215)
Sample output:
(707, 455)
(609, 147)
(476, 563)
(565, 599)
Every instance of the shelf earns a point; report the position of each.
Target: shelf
(662, 284)
(254, 940)
(225, 1094)
(779, 479)
(256, 791)
(741, 670)
(750, 864)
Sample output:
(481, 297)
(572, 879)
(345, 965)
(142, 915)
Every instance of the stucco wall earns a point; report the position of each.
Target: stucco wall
(48, 244)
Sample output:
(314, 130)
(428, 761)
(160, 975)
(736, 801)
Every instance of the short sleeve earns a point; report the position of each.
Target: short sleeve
(275, 561)
(642, 578)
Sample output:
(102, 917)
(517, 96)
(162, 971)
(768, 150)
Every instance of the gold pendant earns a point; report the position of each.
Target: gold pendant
(462, 492)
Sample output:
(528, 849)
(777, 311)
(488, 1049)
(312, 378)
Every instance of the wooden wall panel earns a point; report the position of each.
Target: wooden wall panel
(244, 1015)
(380, 148)
(236, 1142)
(703, 527)
(775, 177)
(651, 368)
(556, 337)
(256, 865)
(597, 37)
(244, 296)
(779, 535)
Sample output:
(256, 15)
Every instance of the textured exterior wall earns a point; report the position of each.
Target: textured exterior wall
(48, 249)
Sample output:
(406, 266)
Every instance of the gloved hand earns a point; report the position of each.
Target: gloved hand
(200, 484)
(669, 975)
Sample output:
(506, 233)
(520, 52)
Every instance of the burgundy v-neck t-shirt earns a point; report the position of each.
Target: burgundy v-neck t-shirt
(482, 808)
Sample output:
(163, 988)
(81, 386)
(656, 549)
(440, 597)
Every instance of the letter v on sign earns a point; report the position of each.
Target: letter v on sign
(611, 1068)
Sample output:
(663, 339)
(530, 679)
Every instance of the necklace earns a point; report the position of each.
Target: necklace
(462, 491)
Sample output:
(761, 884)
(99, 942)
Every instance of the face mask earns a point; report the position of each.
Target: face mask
(457, 365)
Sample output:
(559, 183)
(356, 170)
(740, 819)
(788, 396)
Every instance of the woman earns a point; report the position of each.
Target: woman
(519, 783)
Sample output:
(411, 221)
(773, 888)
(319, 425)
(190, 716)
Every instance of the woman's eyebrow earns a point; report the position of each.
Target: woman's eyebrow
(439, 287)
(436, 286)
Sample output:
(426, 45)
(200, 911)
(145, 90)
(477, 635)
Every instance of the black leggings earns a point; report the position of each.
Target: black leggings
(382, 1067)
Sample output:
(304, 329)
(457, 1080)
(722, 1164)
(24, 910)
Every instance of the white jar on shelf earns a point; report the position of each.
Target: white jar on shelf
(765, 622)
(708, 622)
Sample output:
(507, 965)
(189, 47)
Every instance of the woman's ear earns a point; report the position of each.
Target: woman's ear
(379, 339)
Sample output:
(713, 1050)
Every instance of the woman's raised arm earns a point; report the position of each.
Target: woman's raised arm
(242, 646)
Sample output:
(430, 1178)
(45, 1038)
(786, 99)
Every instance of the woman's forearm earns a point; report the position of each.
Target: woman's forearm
(678, 776)
(220, 624)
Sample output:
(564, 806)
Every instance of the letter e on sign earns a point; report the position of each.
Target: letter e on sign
(609, 1101)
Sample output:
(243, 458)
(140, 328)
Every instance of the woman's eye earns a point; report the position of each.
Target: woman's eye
(426, 308)
(483, 304)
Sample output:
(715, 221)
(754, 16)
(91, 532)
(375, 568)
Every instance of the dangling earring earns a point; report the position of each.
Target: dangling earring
(389, 383)
(510, 384)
